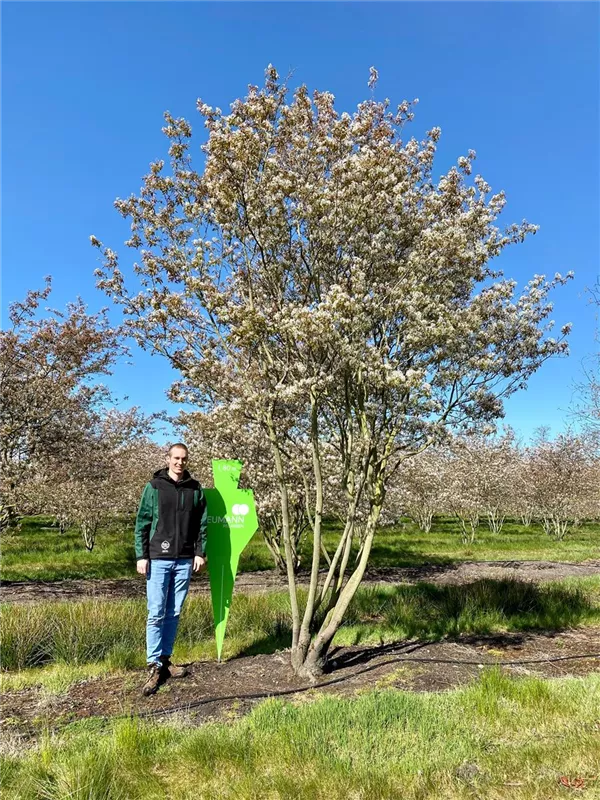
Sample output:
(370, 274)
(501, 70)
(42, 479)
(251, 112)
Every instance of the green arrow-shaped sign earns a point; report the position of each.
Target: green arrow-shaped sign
(231, 524)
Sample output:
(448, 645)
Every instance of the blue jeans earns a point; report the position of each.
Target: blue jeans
(167, 584)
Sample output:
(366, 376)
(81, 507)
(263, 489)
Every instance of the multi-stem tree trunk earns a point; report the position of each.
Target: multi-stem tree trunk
(273, 537)
(10, 515)
(9, 512)
(469, 523)
(329, 596)
(301, 646)
(495, 519)
(273, 540)
(89, 529)
(309, 662)
(423, 516)
(526, 518)
(63, 521)
(272, 530)
(559, 527)
(5, 516)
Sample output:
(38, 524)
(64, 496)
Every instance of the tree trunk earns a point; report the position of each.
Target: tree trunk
(495, 520)
(424, 519)
(526, 517)
(309, 662)
(560, 526)
(468, 527)
(88, 531)
(306, 627)
(285, 522)
(273, 542)
(4, 517)
(9, 516)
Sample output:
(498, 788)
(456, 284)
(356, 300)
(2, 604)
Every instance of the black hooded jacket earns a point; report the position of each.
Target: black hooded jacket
(171, 520)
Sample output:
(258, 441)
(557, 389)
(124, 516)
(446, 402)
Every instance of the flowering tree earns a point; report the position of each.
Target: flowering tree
(470, 476)
(465, 487)
(101, 477)
(564, 480)
(420, 487)
(500, 468)
(46, 395)
(587, 408)
(522, 498)
(480, 480)
(316, 278)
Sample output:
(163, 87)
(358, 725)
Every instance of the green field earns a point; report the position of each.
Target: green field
(39, 551)
(498, 738)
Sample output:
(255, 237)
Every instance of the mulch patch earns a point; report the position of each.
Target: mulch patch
(227, 690)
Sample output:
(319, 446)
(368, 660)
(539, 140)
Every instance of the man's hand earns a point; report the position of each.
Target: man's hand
(199, 562)
(142, 565)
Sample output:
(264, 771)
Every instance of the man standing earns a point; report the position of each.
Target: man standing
(170, 541)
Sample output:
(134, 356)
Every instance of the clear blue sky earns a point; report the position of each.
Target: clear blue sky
(84, 86)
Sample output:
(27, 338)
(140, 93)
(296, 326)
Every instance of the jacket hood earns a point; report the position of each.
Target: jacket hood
(164, 473)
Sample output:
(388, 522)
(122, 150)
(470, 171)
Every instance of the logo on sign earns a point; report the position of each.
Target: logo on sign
(235, 519)
(165, 545)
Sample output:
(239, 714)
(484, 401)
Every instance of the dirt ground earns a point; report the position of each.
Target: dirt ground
(225, 691)
(267, 580)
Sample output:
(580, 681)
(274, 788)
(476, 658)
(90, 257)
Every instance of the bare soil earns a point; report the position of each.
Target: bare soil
(267, 580)
(224, 691)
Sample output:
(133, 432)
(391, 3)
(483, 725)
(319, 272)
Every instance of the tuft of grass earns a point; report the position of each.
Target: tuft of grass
(55, 679)
(432, 612)
(113, 633)
(500, 737)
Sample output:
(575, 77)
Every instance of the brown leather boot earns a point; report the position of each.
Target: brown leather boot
(153, 681)
(173, 670)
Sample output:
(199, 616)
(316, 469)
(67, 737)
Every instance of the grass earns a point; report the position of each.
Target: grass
(94, 631)
(497, 738)
(74, 634)
(55, 679)
(406, 545)
(40, 552)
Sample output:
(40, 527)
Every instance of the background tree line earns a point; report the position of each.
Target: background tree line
(65, 448)
(483, 479)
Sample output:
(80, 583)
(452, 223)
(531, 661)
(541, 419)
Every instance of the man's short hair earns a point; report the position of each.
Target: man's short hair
(178, 444)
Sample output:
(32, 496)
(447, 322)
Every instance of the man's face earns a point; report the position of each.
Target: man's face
(177, 460)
